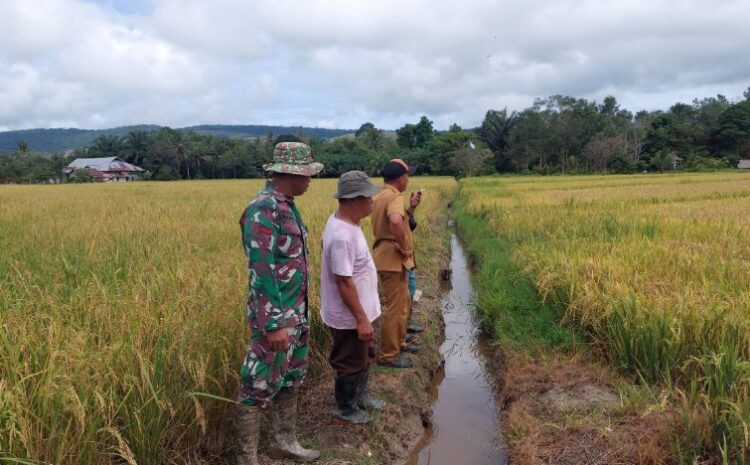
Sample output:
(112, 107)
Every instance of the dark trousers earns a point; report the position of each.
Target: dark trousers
(350, 355)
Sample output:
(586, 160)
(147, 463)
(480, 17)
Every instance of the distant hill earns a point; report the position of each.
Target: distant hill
(253, 131)
(352, 135)
(62, 139)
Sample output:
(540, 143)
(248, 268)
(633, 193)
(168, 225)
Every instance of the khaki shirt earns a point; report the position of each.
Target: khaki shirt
(386, 255)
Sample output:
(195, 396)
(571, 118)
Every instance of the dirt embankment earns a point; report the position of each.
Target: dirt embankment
(393, 433)
(568, 410)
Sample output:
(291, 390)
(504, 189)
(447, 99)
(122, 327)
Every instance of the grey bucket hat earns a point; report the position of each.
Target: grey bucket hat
(354, 184)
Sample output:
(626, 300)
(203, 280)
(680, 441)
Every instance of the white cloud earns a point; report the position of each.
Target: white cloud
(230, 29)
(29, 99)
(340, 63)
(32, 29)
(119, 59)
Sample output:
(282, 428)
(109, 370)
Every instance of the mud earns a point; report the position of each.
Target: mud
(393, 433)
(554, 408)
(568, 409)
(583, 398)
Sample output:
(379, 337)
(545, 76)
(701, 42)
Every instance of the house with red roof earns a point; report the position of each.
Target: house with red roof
(110, 169)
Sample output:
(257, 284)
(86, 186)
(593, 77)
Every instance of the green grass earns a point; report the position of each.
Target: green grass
(507, 300)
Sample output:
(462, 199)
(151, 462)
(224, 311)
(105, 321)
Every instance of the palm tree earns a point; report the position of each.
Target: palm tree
(185, 151)
(106, 146)
(138, 143)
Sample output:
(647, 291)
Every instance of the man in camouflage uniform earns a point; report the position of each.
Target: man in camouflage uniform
(275, 241)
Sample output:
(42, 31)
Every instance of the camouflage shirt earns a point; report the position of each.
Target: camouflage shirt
(275, 241)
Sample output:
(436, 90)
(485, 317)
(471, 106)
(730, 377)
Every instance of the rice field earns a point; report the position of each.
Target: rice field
(654, 271)
(122, 315)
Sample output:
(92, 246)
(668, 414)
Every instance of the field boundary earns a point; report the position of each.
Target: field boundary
(511, 309)
(560, 405)
(394, 433)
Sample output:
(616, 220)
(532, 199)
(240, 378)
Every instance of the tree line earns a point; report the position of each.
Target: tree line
(558, 134)
(568, 135)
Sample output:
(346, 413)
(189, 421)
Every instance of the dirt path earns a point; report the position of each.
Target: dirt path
(394, 433)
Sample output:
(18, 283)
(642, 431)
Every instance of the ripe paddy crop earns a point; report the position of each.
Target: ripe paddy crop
(122, 315)
(654, 271)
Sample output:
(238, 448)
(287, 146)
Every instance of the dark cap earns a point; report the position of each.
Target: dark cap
(397, 168)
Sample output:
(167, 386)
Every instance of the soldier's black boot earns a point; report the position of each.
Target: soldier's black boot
(364, 400)
(346, 398)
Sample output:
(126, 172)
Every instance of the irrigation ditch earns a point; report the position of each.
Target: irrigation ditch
(471, 400)
(558, 400)
(465, 426)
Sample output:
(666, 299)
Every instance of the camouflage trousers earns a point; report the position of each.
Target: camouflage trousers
(265, 371)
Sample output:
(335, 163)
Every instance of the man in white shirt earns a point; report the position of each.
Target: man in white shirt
(349, 296)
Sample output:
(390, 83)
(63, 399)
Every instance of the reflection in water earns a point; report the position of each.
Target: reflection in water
(466, 429)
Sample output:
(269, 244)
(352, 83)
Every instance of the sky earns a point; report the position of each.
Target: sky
(337, 64)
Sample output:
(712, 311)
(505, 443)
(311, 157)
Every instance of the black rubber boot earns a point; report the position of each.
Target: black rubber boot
(411, 326)
(411, 348)
(346, 399)
(414, 327)
(364, 400)
(398, 362)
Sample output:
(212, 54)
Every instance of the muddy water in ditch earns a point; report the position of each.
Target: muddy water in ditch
(465, 419)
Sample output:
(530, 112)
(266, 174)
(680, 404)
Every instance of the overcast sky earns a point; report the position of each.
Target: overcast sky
(337, 64)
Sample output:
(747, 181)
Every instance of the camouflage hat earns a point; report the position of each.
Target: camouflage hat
(293, 158)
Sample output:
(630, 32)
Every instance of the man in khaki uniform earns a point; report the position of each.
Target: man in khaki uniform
(393, 253)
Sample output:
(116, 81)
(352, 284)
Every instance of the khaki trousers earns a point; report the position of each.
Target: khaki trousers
(395, 313)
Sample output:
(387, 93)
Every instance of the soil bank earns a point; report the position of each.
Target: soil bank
(395, 432)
